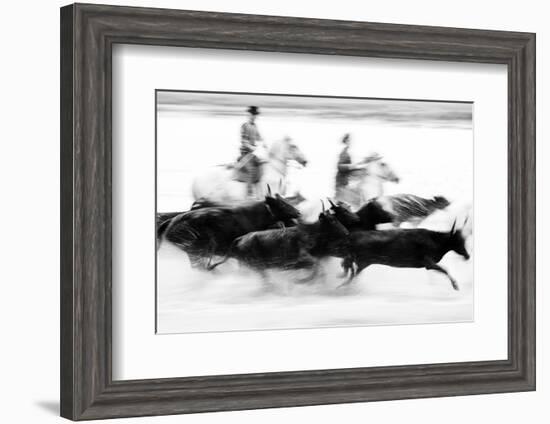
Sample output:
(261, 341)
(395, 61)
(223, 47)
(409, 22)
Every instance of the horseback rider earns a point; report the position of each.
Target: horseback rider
(248, 163)
(345, 169)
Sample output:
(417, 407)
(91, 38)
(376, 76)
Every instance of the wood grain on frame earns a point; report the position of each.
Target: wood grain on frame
(88, 33)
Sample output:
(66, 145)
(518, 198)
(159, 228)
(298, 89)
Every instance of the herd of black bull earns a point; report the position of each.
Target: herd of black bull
(269, 234)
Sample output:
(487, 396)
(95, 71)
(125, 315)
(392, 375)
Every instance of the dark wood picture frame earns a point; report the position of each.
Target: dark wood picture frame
(88, 33)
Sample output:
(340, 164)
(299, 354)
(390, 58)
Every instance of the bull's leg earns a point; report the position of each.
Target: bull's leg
(356, 268)
(432, 265)
(265, 279)
(265, 283)
(211, 252)
(196, 261)
(348, 266)
(309, 262)
(345, 270)
(209, 263)
(347, 282)
(310, 277)
(344, 273)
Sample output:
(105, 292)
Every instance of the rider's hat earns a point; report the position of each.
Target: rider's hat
(253, 110)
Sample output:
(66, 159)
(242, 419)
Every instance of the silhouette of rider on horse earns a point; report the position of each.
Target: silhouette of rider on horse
(248, 167)
(345, 189)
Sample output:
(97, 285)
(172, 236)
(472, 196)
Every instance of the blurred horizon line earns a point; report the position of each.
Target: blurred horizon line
(414, 112)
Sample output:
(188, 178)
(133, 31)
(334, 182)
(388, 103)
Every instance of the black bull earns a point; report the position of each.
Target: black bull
(164, 218)
(299, 247)
(209, 231)
(407, 248)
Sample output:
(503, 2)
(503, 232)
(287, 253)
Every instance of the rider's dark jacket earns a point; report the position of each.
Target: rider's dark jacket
(344, 169)
(249, 136)
(249, 164)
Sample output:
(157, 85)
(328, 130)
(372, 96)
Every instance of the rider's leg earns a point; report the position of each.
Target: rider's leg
(250, 191)
(253, 167)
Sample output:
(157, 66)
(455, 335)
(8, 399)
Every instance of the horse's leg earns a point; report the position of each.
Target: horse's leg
(282, 186)
(265, 180)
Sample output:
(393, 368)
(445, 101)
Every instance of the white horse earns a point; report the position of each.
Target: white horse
(218, 184)
(367, 183)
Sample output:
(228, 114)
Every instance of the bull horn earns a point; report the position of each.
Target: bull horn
(323, 205)
(453, 227)
(331, 202)
(268, 190)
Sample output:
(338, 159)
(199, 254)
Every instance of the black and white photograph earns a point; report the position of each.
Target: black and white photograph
(281, 211)
(243, 212)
